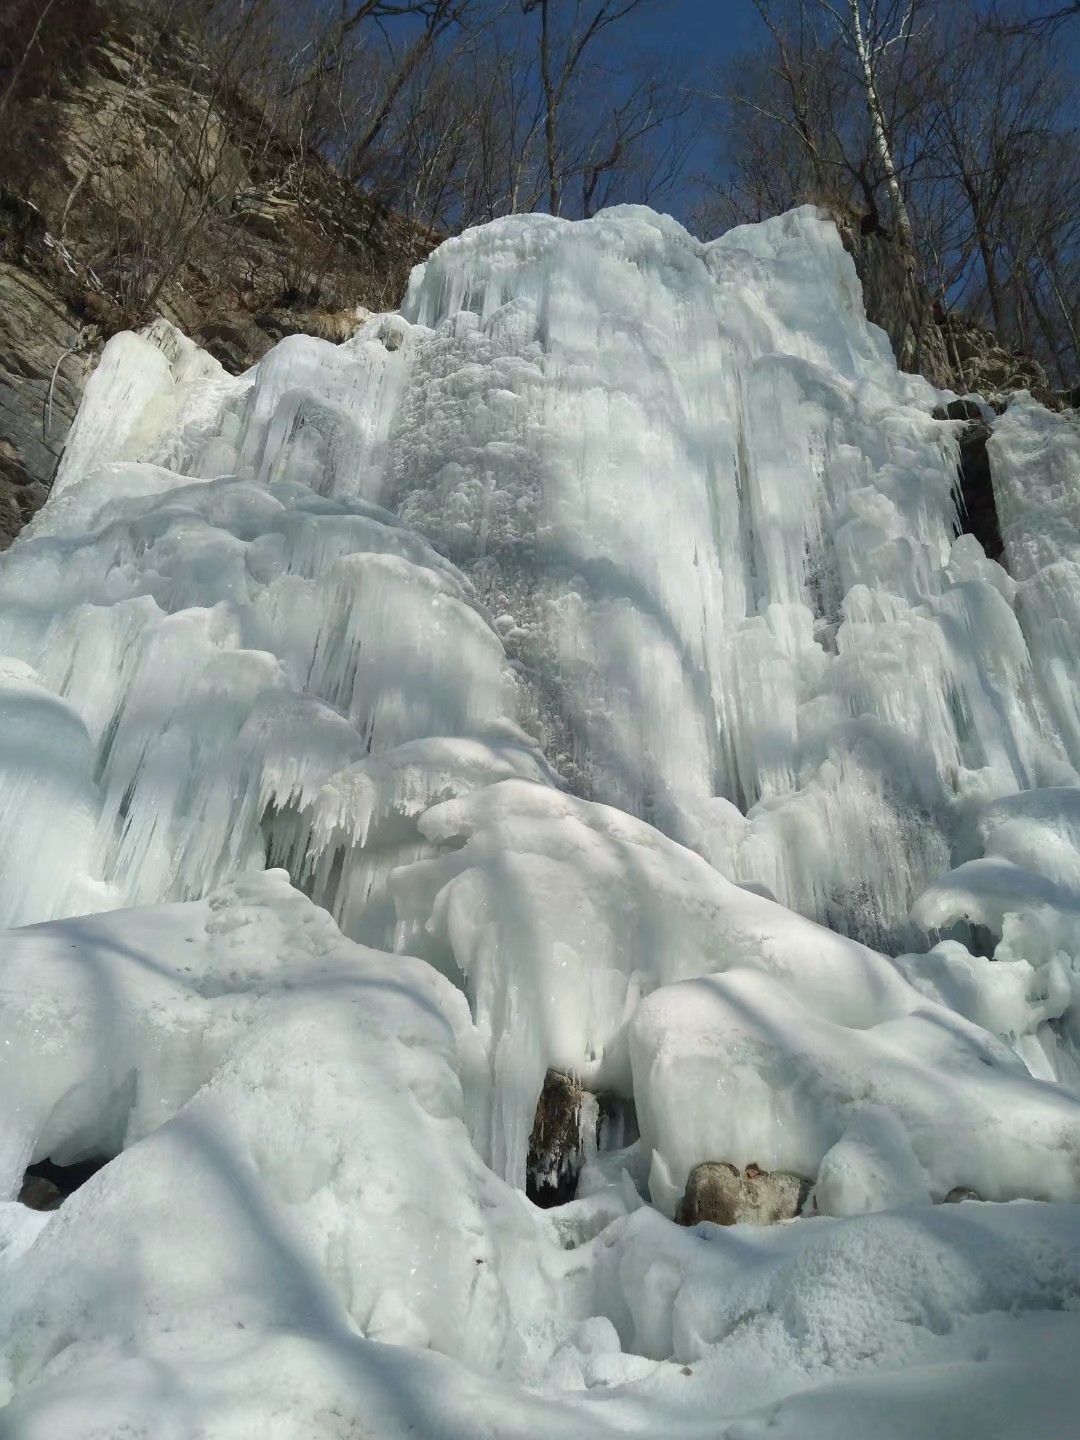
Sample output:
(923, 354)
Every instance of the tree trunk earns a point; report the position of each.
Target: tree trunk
(554, 198)
(877, 124)
(986, 255)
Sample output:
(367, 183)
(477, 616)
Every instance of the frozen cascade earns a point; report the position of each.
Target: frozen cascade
(715, 530)
(579, 670)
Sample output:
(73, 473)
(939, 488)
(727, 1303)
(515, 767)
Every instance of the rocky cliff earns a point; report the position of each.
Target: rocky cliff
(136, 184)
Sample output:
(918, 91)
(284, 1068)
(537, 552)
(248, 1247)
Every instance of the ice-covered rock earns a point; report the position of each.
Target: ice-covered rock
(557, 915)
(873, 1166)
(735, 1065)
(1035, 463)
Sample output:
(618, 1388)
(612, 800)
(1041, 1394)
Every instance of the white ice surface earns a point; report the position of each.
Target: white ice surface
(298, 1181)
(579, 638)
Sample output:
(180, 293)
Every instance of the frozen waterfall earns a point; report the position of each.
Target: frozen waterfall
(582, 669)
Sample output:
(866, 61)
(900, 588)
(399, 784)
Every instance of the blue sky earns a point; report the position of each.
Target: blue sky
(707, 33)
(719, 27)
(716, 29)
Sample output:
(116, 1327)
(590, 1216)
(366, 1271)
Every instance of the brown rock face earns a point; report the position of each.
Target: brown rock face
(895, 299)
(724, 1195)
(571, 1126)
(135, 186)
(44, 361)
(950, 350)
(38, 1193)
(564, 1130)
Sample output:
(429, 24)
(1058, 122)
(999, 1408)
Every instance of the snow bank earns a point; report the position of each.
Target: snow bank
(296, 1180)
(915, 1310)
(245, 1057)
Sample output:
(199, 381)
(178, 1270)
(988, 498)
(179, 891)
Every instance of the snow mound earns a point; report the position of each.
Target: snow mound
(266, 1081)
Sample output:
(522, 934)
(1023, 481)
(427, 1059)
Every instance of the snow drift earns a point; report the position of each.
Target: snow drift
(582, 669)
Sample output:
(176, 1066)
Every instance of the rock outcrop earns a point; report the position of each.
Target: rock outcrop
(982, 366)
(565, 1132)
(46, 353)
(275, 243)
(949, 349)
(570, 1126)
(896, 300)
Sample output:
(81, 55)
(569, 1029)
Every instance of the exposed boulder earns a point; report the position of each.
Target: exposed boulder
(37, 1193)
(47, 1185)
(565, 1132)
(724, 1195)
(960, 1193)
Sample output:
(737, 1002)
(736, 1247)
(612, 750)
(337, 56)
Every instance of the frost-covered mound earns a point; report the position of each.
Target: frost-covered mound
(516, 688)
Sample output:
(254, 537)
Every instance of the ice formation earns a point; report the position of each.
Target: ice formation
(581, 670)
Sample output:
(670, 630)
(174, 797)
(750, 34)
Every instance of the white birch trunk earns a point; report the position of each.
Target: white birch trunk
(877, 122)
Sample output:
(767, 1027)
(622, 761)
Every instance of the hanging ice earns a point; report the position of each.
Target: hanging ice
(580, 638)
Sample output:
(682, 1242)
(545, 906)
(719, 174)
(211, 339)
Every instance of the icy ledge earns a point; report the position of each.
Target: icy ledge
(604, 513)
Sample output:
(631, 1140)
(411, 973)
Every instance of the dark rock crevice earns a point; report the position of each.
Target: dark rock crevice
(977, 510)
(47, 1185)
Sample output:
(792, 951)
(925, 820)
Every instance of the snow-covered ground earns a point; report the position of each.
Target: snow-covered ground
(578, 670)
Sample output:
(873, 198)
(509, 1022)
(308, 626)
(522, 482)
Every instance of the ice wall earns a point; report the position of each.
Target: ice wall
(579, 639)
(720, 526)
(712, 524)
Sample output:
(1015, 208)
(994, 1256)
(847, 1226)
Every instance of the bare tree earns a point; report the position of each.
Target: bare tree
(979, 134)
(869, 29)
(1039, 24)
(639, 147)
(355, 63)
(563, 50)
(20, 61)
